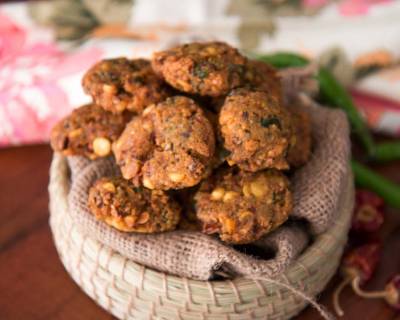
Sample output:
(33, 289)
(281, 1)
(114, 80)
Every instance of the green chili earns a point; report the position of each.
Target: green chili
(336, 95)
(331, 91)
(284, 60)
(387, 151)
(368, 179)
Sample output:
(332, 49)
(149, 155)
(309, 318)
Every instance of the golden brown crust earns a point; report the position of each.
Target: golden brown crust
(257, 76)
(119, 204)
(169, 147)
(121, 84)
(262, 76)
(256, 130)
(210, 68)
(242, 207)
(217, 145)
(88, 131)
(300, 145)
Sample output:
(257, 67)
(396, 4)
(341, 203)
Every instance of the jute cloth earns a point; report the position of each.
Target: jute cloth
(317, 189)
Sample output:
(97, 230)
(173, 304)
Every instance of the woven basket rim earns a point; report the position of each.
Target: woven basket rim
(334, 238)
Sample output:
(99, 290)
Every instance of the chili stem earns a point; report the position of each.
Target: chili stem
(336, 294)
(355, 283)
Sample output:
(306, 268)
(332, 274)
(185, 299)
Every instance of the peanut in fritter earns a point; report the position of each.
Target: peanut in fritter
(88, 131)
(171, 146)
(241, 207)
(124, 84)
(127, 208)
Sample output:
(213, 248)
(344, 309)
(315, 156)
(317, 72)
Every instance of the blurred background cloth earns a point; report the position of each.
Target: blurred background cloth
(46, 46)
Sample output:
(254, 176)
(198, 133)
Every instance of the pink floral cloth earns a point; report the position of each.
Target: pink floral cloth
(381, 113)
(40, 80)
(31, 96)
(358, 7)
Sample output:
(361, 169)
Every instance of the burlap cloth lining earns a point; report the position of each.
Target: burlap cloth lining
(317, 189)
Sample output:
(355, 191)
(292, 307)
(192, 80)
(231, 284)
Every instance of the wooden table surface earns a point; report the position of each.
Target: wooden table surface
(34, 284)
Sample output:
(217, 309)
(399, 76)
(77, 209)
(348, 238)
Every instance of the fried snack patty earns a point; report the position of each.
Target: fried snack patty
(300, 146)
(263, 77)
(121, 84)
(127, 208)
(88, 131)
(170, 146)
(256, 130)
(241, 206)
(210, 68)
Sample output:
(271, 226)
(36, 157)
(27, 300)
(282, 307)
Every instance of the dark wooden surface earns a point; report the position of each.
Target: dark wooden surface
(34, 284)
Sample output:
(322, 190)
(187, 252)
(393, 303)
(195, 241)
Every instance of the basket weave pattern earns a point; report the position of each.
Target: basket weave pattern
(131, 291)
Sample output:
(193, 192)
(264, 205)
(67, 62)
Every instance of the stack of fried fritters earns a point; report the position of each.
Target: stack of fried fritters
(201, 137)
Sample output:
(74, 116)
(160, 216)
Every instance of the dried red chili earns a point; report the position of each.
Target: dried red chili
(367, 196)
(358, 265)
(368, 215)
(362, 261)
(391, 293)
(392, 290)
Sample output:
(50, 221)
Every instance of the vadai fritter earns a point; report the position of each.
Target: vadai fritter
(241, 206)
(209, 68)
(300, 145)
(122, 84)
(127, 208)
(264, 77)
(88, 131)
(170, 146)
(257, 76)
(256, 130)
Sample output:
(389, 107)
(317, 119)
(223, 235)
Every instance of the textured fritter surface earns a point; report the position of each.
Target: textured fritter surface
(300, 146)
(242, 207)
(121, 84)
(171, 146)
(263, 77)
(210, 68)
(121, 205)
(88, 131)
(255, 129)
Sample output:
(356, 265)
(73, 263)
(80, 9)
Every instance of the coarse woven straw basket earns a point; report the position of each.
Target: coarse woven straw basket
(131, 291)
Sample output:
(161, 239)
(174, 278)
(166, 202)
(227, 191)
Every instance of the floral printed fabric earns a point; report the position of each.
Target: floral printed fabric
(40, 76)
(34, 77)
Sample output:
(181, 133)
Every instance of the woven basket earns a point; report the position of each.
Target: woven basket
(131, 291)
